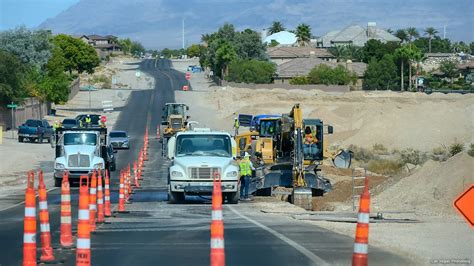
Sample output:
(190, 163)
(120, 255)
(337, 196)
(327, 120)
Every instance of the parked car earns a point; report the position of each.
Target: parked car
(95, 119)
(111, 158)
(35, 130)
(70, 123)
(119, 139)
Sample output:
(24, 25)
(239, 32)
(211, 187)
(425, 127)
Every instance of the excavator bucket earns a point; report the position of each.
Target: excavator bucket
(342, 159)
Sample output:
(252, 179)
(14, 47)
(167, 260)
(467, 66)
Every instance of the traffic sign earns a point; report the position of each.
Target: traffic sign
(12, 105)
(188, 76)
(464, 204)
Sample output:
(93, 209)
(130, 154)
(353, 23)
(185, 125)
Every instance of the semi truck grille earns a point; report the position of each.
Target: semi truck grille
(203, 172)
(78, 160)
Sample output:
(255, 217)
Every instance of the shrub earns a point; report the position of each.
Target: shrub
(440, 154)
(362, 154)
(456, 148)
(323, 74)
(251, 71)
(385, 167)
(412, 156)
(299, 81)
(471, 150)
(380, 149)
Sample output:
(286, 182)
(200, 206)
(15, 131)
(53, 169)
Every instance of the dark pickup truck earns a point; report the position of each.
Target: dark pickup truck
(35, 130)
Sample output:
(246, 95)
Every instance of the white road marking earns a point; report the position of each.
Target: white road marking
(21, 202)
(310, 255)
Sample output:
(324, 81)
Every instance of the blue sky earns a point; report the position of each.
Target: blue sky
(30, 13)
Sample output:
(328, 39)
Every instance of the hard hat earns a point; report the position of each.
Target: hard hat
(88, 116)
(247, 154)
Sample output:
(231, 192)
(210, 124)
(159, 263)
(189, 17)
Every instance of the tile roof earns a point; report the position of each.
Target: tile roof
(295, 52)
(302, 67)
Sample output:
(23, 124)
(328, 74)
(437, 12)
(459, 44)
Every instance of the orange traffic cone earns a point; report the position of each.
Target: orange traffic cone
(93, 202)
(46, 249)
(361, 244)
(135, 174)
(100, 199)
(217, 224)
(83, 249)
(29, 229)
(122, 193)
(107, 210)
(129, 182)
(66, 227)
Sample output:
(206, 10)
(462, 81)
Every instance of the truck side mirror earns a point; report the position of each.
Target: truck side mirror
(330, 129)
(187, 117)
(164, 123)
(187, 108)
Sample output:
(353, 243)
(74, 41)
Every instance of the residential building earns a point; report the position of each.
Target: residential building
(280, 55)
(356, 35)
(104, 45)
(302, 66)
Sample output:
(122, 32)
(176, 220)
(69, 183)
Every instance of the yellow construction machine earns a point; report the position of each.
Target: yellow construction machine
(279, 145)
(174, 120)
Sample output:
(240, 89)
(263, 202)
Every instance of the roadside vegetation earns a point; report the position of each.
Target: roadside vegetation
(381, 160)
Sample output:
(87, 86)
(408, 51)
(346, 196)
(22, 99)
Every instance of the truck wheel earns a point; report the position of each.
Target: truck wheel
(175, 197)
(49, 139)
(40, 139)
(232, 197)
(58, 182)
(20, 139)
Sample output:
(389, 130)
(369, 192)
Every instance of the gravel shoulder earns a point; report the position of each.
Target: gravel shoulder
(18, 158)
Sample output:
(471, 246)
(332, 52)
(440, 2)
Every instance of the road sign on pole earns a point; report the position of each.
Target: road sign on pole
(12, 105)
(464, 204)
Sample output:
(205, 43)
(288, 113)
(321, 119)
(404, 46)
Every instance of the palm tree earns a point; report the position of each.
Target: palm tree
(277, 26)
(431, 32)
(412, 33)
(402, 35)
(303, 34)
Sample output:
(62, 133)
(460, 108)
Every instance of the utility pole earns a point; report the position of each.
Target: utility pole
(444, 32)
(183, 33)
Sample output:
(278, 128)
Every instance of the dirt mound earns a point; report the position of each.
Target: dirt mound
(432, 189)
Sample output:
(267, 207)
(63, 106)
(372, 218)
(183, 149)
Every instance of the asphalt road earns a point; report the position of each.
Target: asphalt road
(158, 233)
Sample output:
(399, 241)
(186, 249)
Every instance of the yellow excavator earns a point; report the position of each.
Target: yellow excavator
(174, 120)
(278, 143)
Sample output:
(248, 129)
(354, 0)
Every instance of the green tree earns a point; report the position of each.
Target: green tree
(407, 54)
(78, 55)
(303, 34)
(448, 67)
(251, 71)
(54, 83)
(459, 47)
(277, 26)
(402, 35)
(431, 32)
(194, 50)
(412, 33)
(381, 75)
(167, 53)
(31, 47)
(376, 49)
(13, 77)
(273, 43)
(126, 45)
(137, 49)
(300, 80)
(225, 54)
(155, 53)
(324, 74)
(248, 45)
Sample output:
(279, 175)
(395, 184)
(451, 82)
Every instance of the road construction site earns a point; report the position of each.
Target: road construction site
(420, 224)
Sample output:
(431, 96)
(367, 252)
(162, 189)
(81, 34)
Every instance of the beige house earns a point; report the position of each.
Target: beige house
(302, 66)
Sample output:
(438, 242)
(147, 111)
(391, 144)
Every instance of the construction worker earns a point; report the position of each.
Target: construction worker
(310, 148)
(56, 125)
(88, 121)
(246, 168)
(236, 126)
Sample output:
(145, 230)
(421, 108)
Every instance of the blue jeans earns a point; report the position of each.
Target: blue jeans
(244, 186)
(310, 149)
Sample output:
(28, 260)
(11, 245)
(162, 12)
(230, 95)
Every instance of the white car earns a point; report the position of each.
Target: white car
(196, 157)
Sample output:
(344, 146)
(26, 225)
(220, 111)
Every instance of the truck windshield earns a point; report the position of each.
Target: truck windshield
(33, 123)
(203, 145)
(175, 110)
(80, 139)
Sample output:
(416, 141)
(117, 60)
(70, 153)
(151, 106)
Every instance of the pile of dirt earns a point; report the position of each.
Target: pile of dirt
(432, 189)
(342, 193)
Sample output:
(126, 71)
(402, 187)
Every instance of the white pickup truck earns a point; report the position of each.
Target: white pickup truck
(196, 155)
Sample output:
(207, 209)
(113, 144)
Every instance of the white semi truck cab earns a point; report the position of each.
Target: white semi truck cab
(196, 155)
(80, 152)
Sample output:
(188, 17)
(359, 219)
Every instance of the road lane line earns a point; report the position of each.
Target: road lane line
(310, 255)
(21, 202)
